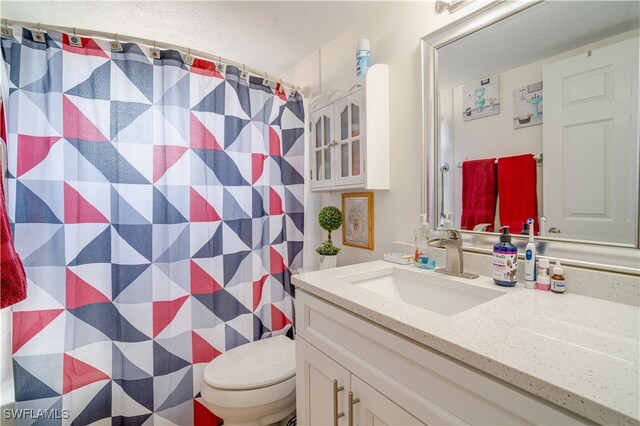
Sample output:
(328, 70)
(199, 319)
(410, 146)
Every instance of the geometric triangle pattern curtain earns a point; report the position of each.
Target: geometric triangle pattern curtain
(158, 210)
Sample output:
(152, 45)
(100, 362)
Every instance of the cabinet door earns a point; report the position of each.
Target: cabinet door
(349, 135)
(370, 408)
(319, 398)
(321, 152)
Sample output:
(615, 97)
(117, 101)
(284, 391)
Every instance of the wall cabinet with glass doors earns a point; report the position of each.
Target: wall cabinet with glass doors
(349, 141)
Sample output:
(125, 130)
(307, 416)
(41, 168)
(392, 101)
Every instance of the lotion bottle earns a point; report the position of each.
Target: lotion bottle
(543, 280)
(530, 260)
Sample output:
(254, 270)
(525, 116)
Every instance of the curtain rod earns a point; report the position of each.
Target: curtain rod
(304, 91)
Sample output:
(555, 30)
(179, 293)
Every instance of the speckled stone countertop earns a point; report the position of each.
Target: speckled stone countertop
(578, 352)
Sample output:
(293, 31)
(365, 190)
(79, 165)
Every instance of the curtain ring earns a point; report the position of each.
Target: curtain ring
(116, 36)
(74, 31)
(6, 22)
(38, 27)
(189, 51)
(244, 67)
(154, 44)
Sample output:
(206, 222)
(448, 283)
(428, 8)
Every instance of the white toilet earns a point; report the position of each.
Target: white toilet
(253, 384)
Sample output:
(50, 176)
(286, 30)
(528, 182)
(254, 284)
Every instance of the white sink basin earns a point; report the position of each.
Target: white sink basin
(430, 291)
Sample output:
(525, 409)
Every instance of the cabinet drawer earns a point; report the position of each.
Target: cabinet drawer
(414, 376)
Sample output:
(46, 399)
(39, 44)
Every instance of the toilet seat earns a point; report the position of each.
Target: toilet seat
(249, 397)
(253, 365)
(253, 374)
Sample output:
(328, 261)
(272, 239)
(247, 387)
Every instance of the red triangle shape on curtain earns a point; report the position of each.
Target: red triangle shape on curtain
(32, 150)
(278, 319)
(201, 350)
(258, 286)
(257, 166)
(164, 312)
(275, 202)
(89, 47)
(204, 67)
(276, 264)
(78, 210)
(27, 324)
(165, 156)
(274, 142)
(201, 281)
(200, 209)
(200, 136)
(81, 293)
(77, 126)
(78, 374)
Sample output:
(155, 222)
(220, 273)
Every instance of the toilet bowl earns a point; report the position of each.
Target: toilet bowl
(253, 384)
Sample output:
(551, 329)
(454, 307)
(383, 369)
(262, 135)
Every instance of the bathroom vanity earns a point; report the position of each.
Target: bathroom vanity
(378, 342)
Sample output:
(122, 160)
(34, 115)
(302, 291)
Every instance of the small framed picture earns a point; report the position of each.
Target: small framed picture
(357, 224)
(527, 106)
(481, 98)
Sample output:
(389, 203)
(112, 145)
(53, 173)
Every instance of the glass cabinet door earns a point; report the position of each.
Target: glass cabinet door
(349, 136)
(322, 147)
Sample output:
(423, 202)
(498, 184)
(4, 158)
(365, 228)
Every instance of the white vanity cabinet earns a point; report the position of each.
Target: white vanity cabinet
(383, 378)
(328, 394)
(349, 136)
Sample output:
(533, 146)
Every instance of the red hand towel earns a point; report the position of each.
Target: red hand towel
(13, 280)
(478, 193)
(517, 191)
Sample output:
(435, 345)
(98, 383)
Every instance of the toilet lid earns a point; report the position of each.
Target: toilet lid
(253, 365)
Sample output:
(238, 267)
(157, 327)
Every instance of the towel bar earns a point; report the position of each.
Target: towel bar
(538, 159)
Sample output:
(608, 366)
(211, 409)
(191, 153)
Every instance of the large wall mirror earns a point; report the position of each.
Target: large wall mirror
(531, 112)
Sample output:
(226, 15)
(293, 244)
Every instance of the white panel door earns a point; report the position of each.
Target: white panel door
(371, 408)
(321, 152)
(350, 139)
(590, 144)
(317, 401)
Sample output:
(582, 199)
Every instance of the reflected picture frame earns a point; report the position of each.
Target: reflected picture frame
(357, 219)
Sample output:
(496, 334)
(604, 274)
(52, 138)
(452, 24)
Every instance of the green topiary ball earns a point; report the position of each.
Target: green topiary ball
(330, 218)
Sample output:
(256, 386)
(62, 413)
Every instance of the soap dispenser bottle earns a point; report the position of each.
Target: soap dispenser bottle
(505, 260)
(421, 257)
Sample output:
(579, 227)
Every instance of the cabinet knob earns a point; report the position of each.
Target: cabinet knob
(352, 401)
(336, 414)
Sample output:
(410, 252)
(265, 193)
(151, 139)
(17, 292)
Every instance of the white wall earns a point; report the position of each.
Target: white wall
(394, 30)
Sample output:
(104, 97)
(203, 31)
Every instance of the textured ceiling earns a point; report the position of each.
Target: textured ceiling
(539, 32)
(269, 35)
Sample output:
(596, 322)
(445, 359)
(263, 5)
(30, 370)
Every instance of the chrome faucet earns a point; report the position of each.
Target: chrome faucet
(451, 241)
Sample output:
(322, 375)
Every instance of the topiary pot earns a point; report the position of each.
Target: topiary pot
(328, 262)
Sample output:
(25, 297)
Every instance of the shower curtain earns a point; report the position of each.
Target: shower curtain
(158, 210)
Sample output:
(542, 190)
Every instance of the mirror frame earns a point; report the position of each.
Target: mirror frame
(586, 254)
